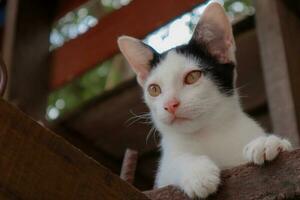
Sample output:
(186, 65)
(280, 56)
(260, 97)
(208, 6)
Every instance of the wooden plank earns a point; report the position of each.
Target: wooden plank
(37, 164)
(278, 32)
(28, 54)
(99, 43)
(276, 180)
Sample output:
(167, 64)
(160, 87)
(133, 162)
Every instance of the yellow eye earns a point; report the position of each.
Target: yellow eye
(192, 77)
(154, 90)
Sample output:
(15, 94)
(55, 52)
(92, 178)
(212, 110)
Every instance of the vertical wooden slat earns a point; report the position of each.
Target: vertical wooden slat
(9, 32)
(27, 53)
(278, 31)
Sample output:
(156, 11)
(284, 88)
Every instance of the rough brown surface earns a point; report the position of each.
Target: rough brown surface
(37, 164)
(279, 179)
(129, 165)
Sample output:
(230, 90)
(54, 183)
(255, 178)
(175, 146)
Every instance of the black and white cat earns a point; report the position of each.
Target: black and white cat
(190, 91)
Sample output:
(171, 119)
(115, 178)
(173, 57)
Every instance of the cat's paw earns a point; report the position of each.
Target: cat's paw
(265, 148)
(200, 180)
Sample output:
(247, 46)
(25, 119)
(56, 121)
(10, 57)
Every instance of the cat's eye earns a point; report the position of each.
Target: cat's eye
(154, 90)
(192, 77)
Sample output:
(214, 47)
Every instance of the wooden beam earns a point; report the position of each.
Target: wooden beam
(37, 164)
(137, 19)
(276, 180)
(278, 31)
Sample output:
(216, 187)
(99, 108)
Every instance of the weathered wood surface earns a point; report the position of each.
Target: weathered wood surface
(99, 43)
(278, 30)
(37, 164)
(279, 179)
(129, 165)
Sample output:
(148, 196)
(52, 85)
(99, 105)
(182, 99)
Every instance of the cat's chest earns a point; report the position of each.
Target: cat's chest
(224, 148)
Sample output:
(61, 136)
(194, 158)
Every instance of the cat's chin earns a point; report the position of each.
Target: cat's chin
(178, 120)
(175, 121)
(181, 125)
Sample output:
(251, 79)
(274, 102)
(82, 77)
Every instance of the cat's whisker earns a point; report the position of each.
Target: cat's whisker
(153, 132)
(144, 117)
(149, 134)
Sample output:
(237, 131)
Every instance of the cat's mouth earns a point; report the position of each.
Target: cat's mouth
(178, 120)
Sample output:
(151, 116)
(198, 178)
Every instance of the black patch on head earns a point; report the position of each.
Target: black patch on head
(221, 74)
(156, 57)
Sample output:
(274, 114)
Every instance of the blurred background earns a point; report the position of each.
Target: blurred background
(66, 72)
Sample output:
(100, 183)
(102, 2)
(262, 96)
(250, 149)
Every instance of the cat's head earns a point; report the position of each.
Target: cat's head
(191, 84)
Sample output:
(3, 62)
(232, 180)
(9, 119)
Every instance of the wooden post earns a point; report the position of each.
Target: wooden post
(278, 31)
(26, 52)
(9, 33)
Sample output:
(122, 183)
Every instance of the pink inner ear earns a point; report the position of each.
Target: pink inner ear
(138, 56)
(214, 30)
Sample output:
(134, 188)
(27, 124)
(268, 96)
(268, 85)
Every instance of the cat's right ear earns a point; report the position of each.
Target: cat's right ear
(214, 31)
(138, 56)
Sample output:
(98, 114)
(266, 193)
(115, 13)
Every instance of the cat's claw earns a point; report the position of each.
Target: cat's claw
(265, 148)
(201, 182)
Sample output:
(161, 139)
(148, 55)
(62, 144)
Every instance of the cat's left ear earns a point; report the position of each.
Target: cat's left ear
(214, 31)
(138, 56)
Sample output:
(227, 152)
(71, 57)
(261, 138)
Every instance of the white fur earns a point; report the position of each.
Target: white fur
(193, 151)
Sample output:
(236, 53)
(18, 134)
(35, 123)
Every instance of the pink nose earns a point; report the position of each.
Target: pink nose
(171, 106)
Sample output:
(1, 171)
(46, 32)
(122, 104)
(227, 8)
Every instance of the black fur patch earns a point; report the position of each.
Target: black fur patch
(221, 74)
(156, 57)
